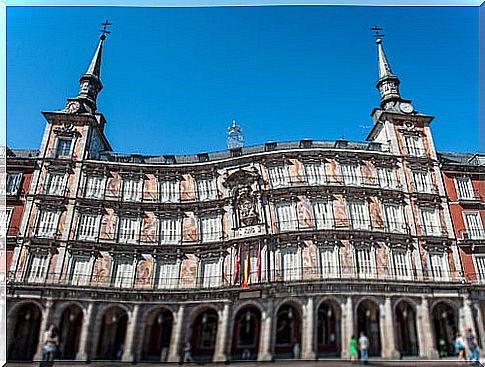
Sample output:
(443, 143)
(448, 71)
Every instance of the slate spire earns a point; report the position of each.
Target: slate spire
(388, 83)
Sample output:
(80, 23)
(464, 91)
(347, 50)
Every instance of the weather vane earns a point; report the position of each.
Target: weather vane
(377, 33)
(104, 31)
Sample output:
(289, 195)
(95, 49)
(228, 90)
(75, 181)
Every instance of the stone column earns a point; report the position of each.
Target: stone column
(308, 339)
(130, 353)
(388, 343)
(427, 348)
(85, 339)
(347, 326)
(176, 337)
(481, 324)
(265, 353)
(220, 352)
(466, 316)
(46, 318)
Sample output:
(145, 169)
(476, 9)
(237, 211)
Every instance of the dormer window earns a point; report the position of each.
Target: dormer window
(63, 147)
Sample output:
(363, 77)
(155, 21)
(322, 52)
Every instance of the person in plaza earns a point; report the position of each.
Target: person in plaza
(472, 345)
(187, 353)
(353, 351)
(296, 351)
(460, 346)
(51, 343)
(364, 347)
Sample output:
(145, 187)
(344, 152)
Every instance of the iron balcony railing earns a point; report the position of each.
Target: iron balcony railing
(471, 195)
(253, 278)
(474, 234)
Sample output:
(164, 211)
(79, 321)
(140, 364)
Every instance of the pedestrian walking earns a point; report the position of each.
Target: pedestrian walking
(296, 351)
(364, 347)
(460, 346)
(188, 353)
(353, 351)
(51, 343)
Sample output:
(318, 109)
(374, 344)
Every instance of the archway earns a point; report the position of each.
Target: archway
(70, 331)
(406, 333)
(112, 334)
(246, 331)
(445, 328)
(25, 328)
(158, 331)
(368, 323)
(204, 333)
(288, 335)
(328, 329)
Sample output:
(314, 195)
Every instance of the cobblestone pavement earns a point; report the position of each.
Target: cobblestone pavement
(283, 363)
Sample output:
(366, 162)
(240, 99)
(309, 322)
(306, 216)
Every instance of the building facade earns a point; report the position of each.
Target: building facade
(264, 252)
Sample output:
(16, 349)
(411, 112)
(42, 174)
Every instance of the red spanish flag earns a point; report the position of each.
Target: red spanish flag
(258, 263)
(237, 265)
(247, 265)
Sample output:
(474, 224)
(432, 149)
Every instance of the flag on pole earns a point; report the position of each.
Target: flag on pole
(237, 265)
(258, 263)
(247, 265)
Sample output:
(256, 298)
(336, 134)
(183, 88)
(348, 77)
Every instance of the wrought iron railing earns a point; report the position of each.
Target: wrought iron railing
(475, 234)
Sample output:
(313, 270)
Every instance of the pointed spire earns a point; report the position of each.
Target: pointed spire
(95, 65)
(388, 83)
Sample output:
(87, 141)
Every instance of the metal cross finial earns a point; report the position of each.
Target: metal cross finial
(377, 33)
(104, 31)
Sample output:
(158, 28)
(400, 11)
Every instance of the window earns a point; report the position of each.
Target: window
(430, 222)
(414, 145)
(366, 263)
(401, 265)
(394, 218)
(278, 176)
(422, 181)
(80, 270)
(169, 230)
(63, 148)
(94, 187)
(5, 217)
(464, 188)
(128, 230)
(55, 184)
(123, 274)
(480, 267)
(286, 216)
(39, 264)
(132, 189)
(359, 215)
(323, 214)
(206, 189)
(47, 223)
(211, 273)
(88, 226)
(438, 266)
(290, 264)
(329, 262)
(13, 183)
(473, 225)
(169, 191)
(386, 177)
(351, 174)
(210, 228)
(168, 274)
(315, 173)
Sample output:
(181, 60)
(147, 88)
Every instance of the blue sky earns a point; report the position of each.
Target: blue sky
(174, 78)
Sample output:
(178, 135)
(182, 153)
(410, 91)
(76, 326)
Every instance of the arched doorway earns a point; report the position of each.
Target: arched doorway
(70, 331)
(445, 328)
(328, 329)
(368, 323)
(246, 331)
(288, 335)
(158, 331)
(112, 334)
(406, 333)
(25, 328)
(204, 334)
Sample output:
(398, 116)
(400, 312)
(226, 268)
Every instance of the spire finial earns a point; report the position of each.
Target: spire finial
(235, 138)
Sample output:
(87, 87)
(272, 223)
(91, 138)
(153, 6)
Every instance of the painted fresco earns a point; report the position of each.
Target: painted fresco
(149, 228)
(309, 256)
(108, 225)
(340, 211)
(101, 271)
(382, 260)
(304, 212)
(227, 269)
(113, 185)
(51, 273)
(368, 173)
(332, 171)
(144, 272)
(21, 263)
(346, 259)
(62, 222)
(187, 188)
(451, 264)
(189, 232)
(150, 188)
(375, 213)
(296, 172)
(188, 271)
(443, 225)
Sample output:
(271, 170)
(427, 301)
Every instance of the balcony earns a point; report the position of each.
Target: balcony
(471, 236)
(471, 197)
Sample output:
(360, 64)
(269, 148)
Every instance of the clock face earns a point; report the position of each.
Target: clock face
(72, 107)
(406, 107)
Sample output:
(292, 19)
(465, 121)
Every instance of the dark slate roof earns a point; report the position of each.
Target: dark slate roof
(22, 153)
(462, 159)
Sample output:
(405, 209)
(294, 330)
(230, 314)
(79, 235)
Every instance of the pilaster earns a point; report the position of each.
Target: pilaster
(85, 339)
(347, 326)
(46, 318)
(176, 337)
(308, 344)
(130, 353)
(388, 344)
(427, 348)
(220, 352)
(265, 352)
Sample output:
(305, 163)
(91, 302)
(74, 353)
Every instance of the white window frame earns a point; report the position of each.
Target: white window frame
(82, 278)
(358, 221)
(38, 267)
(367, 270)
(170, 229)
(315, 174)
(479, 262)
(206, 189)
(169, 191)
(5, 217)
(128, 229)
(464, 187)
(94, 186)
(351, 174)
(430, 221)
(210, 228)
(55, 184)
(168, 274)
(293, 272)
(71, 146)
(386, 177)
(132, 189)
(286, 216)
(438, 265)
(48, 230)
(88, 226)
(123, 278)
(214, 268)
(394, 217)
(279, 176)
(16, 178)
(328, 257)
(422, 181)
(401, 263)
(476, 233)
(323, 214)
(413, 145)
